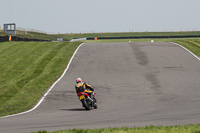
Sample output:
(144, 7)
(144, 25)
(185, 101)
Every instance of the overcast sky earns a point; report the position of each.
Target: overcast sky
(86, 16)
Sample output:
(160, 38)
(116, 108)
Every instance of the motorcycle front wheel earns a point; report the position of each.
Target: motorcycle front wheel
(86, 104)
(95, 105)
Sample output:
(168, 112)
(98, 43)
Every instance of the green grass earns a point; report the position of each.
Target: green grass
(28, 69)
(147, 129)
(193, 45)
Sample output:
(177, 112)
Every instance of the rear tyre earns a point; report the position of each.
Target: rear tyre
(86, 104)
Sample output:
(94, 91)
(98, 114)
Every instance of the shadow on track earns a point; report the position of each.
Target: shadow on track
(77, 109)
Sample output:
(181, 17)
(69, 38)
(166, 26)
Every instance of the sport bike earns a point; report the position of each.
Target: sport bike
(87, 101)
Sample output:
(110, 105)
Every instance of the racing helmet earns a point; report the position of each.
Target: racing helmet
(78, 80)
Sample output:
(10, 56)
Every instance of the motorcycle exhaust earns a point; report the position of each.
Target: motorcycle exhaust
(90, 99)
(92, 102)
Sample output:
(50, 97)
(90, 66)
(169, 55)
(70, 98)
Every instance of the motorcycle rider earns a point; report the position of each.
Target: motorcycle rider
(83, 87)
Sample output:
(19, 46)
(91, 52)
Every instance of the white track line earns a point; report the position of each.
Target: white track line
(187, 50)
(41, 100)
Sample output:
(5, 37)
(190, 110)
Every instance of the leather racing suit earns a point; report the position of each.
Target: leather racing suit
(84, 87)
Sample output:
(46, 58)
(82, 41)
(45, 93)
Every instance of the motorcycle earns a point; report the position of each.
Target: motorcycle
(87, 101)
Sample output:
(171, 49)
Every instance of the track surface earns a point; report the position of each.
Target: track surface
(137, 84)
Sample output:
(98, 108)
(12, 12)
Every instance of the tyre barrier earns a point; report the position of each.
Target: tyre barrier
(144, 37)
(4, 38)
(16, 38)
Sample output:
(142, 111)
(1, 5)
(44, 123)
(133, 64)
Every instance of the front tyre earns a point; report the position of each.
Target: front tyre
(86, 104)
(95, 105)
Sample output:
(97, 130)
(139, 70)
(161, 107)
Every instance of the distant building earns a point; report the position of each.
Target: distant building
(10, 28)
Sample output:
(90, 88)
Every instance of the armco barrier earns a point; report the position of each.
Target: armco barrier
(16, 38)
(145, 37)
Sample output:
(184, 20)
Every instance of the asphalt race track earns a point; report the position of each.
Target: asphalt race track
(137, 84)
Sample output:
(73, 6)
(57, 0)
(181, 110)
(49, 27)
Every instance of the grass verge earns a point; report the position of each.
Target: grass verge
(28, 69)
(148, 129)
(192, 44)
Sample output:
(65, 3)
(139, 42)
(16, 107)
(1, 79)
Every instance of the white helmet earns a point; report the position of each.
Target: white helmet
(78, 80)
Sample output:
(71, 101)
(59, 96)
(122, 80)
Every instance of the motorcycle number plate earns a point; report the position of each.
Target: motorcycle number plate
(81, 97)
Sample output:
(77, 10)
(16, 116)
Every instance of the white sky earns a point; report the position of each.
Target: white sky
(86, 16)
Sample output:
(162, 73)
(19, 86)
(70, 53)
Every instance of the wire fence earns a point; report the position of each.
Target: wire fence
(20, 30)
